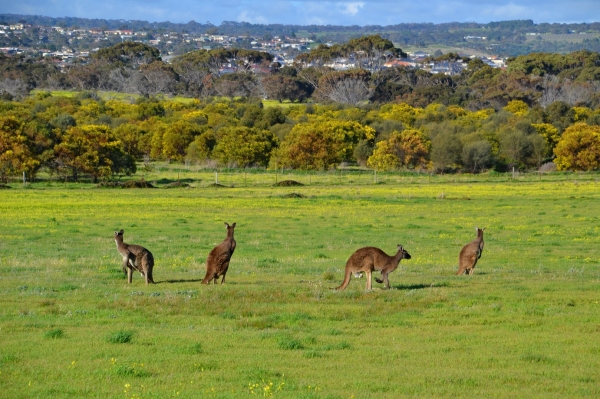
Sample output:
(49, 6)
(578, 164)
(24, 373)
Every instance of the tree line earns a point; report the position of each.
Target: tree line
(131, 67)
(71, 137)
(507, 38)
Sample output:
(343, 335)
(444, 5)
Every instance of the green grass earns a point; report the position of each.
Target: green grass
(524, 325)
(110, 95)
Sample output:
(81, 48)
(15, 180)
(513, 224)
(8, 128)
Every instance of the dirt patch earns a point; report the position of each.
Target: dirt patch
(217, 185)
(137, 184)
(289, 183)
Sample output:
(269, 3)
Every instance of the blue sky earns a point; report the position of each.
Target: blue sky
(306, 12)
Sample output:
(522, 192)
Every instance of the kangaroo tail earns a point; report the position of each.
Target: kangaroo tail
(150, 279)
(346, 281)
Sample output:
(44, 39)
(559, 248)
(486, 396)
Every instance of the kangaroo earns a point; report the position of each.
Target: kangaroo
(218, 259)
(470, 254)
(370, 259)
(135, 257)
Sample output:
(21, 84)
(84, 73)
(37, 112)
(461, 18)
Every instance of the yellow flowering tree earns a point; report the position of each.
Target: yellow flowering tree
(321, 145)
(409, 148)
(549, 133)
(517, 107)
(579, 148)
(15, 154)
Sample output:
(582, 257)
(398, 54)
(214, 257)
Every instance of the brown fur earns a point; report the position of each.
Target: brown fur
(218, 259)
(370, 259)
(135, 257)
(470, 254)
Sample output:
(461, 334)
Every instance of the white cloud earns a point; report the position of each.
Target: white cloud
(351, 8)
(251, 17)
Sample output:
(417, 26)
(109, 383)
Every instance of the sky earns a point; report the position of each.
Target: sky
(309, 12)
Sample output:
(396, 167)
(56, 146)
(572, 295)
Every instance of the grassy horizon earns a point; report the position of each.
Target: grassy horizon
(525, 324)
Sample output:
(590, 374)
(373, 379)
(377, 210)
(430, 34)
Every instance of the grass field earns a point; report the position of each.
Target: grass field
(526, 324)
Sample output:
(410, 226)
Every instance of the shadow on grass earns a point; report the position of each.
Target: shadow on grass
(419, 286)
(168, 181)
(179, 281)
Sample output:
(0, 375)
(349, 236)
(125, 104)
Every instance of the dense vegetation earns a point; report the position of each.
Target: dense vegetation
(84, 135)
(130, 67)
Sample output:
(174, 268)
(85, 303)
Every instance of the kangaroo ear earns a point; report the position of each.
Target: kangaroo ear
(483, 229)
(226, 224)
(116, 232)
(233, 225)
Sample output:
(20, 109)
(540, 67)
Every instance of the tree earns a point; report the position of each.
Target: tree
(15, 154)
(13, 89)
(409, 148)
(177, 137)
(578, 148)
(477, 155)
(321, 144)
(280, 87)
(446, 151)
(128, 53)
(244, 146)
(347, 87)
(130, 136)
(92, 149)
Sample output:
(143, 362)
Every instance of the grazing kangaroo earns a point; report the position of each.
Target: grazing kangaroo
(218, 259)
(370, 259)
(470, 254)
(135, 257)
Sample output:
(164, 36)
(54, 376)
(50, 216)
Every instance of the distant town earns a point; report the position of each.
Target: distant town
(65, 47)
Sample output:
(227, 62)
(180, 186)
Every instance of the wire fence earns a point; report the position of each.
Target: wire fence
(164, 174)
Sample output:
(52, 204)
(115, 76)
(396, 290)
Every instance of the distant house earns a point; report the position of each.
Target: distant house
(406, 62)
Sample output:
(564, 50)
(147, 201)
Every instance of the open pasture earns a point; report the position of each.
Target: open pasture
(526, 324)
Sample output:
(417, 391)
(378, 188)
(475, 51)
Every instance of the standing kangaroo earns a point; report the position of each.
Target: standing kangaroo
(470, 254)
(218, 259)
(135, 257)
(370, 259)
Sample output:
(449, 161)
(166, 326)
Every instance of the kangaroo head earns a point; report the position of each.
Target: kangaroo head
(119, 233)
(405, 255)
(479, 231)
(229, 228)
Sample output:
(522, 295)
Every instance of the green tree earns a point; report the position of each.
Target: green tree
(321, 145)
(177, 137)
(477, 156)
(446, 151)
(91, 149)
(244, 146)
